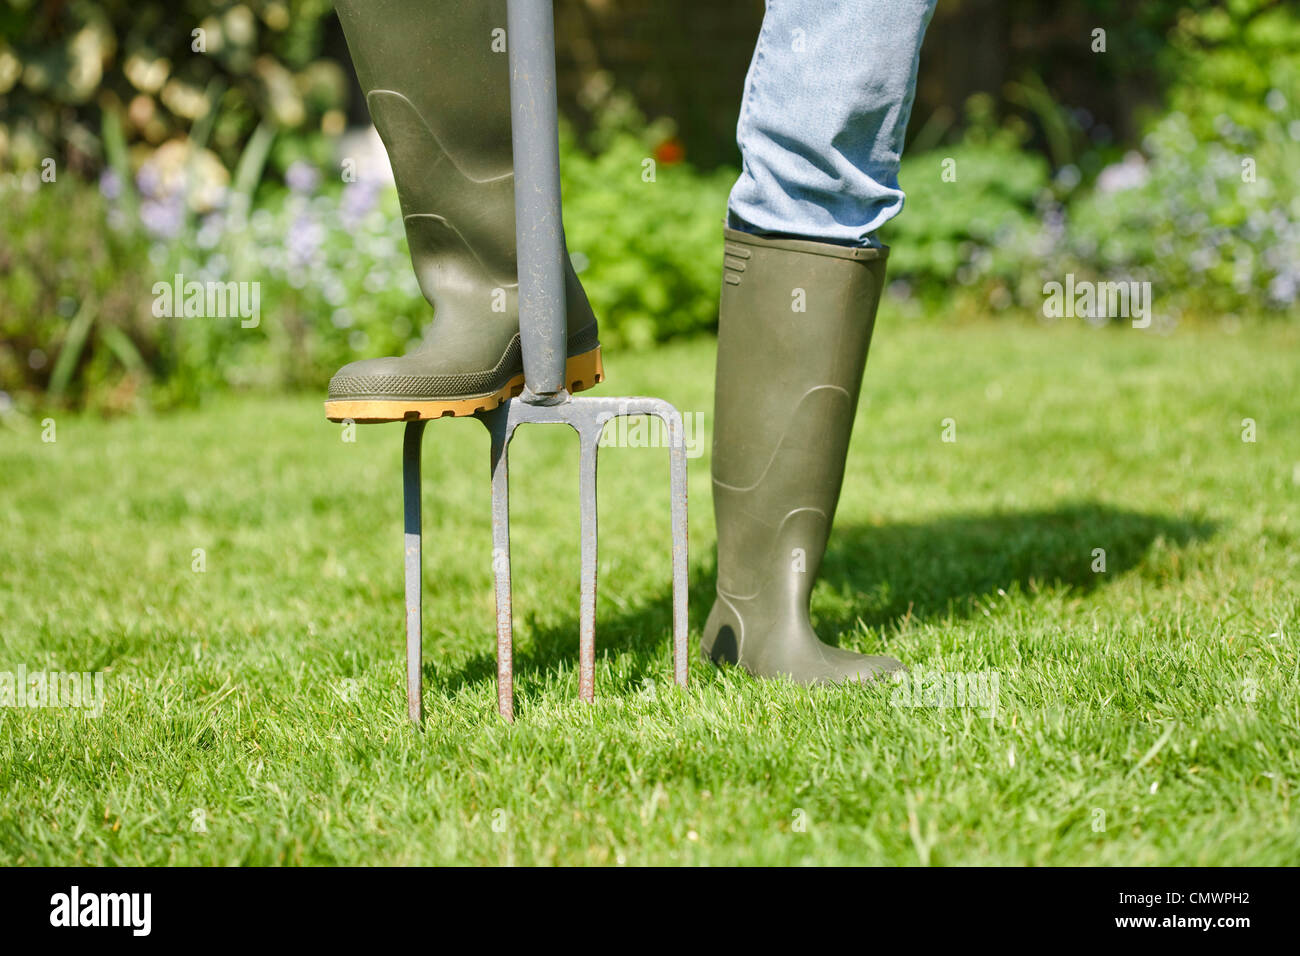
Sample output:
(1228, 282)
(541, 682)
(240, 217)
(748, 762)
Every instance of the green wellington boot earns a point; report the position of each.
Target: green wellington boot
(439, 94)
(794, 327)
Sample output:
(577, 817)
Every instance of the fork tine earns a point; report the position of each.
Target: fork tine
(586, 416)
(590, 441)
(500, 430)
(412, 441)
(681, 532)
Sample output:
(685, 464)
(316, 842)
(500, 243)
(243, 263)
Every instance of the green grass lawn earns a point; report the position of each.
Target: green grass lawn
(255, 710)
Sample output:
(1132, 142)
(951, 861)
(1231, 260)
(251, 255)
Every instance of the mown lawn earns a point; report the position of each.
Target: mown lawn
(255, 714)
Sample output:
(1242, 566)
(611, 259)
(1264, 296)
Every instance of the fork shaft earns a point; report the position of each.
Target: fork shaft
(539, 230)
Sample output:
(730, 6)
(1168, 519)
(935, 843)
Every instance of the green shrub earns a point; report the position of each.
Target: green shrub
(334, 280)
(73, 325)
(78, 289)
(964, 231)
(971, 209)
(645, 232)
(1209, 211)
(1209, 232)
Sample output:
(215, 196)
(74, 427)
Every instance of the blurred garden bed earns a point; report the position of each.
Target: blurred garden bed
(204, 183)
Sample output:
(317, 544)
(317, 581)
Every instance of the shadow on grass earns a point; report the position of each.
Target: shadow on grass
(880, 575)
(932, 569)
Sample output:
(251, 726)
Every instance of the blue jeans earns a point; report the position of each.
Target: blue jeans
(827, 99)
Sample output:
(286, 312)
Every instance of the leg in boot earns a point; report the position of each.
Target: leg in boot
(439, 95)
(821, 132)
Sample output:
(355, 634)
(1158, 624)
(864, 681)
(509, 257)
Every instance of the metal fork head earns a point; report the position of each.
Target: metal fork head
(588, 417)
(543, 331)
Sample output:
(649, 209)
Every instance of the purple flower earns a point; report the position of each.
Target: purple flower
(301, 177)
(210, 230)
(358, 199)
(163, 218)
(110, 184)
(1129, 174)
(900, 289)
(304, 241)
(1067, 177)
(1283, 289)
(148, 180)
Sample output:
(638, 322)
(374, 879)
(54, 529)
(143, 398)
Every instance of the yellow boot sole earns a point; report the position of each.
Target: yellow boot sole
(581, 372)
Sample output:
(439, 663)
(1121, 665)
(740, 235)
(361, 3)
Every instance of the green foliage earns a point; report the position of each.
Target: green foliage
(1224, 61)
(71, 321)
(329, 261)
(969, 209)
(330, 268)
(334, 283)
(645, 231)
(1212, 225)
(1209, 212)
(1207, 209)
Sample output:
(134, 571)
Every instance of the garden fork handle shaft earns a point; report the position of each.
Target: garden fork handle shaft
(539, 229)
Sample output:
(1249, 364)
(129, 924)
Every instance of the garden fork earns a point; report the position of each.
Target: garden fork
(545, 398)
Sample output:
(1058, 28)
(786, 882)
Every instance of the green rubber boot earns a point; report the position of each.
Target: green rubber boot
(437, 83)
(794, 327)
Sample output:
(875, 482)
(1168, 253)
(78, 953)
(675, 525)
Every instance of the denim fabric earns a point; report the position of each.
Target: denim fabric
(827, 99)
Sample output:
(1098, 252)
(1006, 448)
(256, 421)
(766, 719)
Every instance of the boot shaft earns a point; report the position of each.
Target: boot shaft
(795, 325)
(448, 60)
(437, 84)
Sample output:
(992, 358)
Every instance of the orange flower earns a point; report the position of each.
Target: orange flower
(670, 151)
